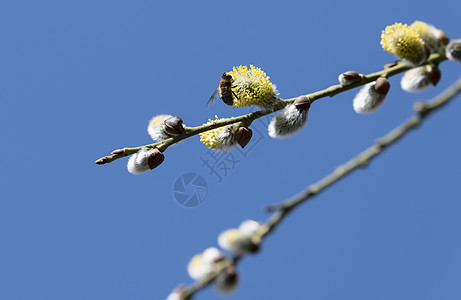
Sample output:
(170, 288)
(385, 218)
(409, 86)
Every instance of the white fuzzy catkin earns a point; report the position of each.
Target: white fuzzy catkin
(249, 227)
(343, 80)
(204, 263)
(212, 255)
(367, 99)
(226, 138)
(416, 79)
(155, 128)
(175, 295)
(349, 77)
(288, 122)
(197, 268)
(138, 162)
(235, 241)
(453, 50)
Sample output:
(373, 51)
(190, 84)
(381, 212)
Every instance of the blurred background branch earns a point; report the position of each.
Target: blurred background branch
(282, 210)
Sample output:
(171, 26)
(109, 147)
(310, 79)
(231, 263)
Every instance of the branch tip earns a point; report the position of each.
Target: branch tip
(101, 161)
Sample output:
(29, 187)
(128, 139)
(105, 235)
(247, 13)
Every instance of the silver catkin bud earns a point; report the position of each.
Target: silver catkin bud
(371, 96)
(226, 138)
(144, 160)
(173, 126)
(420, 78)
(156, 128)
(303, 103)
(453, 50)
(227, 281)
(288, 122)
(349, 77)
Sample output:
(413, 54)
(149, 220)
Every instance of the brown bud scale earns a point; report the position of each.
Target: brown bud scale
(391, 65)
(442, 37)
(435, 76)
(302, 103)
(243, 136)
(382, 86)
(173, 126)
(155, 158)
(352, 76)
(254, 248)
(118, 152)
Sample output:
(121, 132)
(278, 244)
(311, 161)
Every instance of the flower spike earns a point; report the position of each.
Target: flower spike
(252, 87)
(222, 138)
(431, 36)
(401, 40)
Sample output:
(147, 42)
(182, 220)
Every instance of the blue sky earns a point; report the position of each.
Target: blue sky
(82, 78)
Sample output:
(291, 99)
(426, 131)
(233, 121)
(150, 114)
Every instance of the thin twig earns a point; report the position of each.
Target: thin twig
(280, 211)
(249, 118)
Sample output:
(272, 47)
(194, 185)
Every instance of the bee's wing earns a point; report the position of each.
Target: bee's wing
(213, 98)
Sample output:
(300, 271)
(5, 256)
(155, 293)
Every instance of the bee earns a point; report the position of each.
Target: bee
(224, 91)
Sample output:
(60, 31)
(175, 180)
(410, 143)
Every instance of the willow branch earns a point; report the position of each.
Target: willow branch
(280, 211)
(422, 110)
(247, 119)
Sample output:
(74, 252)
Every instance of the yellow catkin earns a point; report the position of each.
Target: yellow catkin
(219, 138)
(252, 86)
(404, 42)
(427, 33)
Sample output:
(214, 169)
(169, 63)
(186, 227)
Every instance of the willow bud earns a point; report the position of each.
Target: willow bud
(453, 50)
(233, 240)
(177, 294)
(290, 120)
(371, 96)
(250, 227)
(204, 264)
(349, 77)
(118, 152)
(173, 126)
(227, 281)
(156, 126)
(144, 160)
(442, 37)
(241, 240)
(302, 103)
(435, 76)
(155, 158)
(382, 86)
(243, 136)
(420, 78)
